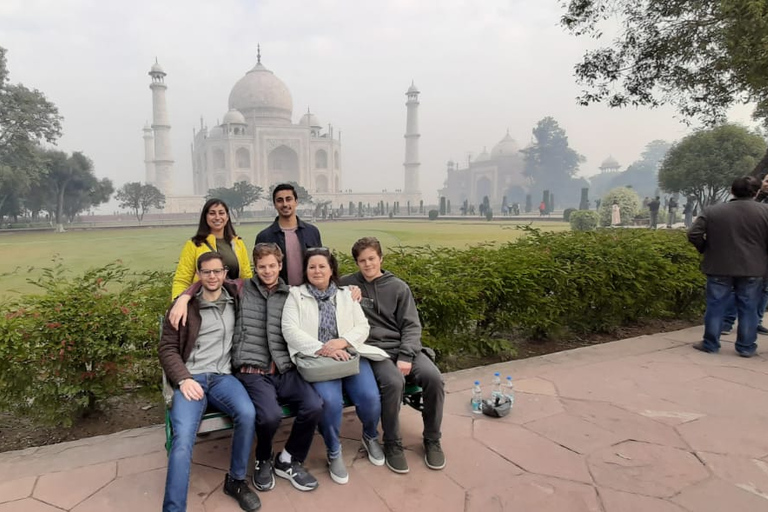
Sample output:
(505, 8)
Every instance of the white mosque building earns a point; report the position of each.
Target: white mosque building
(257, 141)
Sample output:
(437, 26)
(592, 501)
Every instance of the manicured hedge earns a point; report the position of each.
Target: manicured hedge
(88, 337)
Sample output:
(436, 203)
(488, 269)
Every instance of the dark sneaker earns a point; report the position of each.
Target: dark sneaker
(395, 457)
(700, 347)
(295, 472)
(762, 330)
(238, 489)
(433, 454)
(375, 454)
(263, 476)
(747, 354)
(338, 470)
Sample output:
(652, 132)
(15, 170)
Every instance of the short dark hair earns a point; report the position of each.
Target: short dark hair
(284, 186)
(368, 242)
(745, 186)
(208, 256)
(263, 249)
(203, 230)
(332, 262)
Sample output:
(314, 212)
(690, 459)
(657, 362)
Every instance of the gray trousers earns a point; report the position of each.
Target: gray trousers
(391, 382)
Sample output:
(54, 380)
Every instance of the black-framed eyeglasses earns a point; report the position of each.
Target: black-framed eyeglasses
(213, 271)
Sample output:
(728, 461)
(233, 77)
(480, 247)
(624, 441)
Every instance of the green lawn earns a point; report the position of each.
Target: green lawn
(155, 248)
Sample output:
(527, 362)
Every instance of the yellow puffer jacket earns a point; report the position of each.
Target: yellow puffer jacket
(186, 270)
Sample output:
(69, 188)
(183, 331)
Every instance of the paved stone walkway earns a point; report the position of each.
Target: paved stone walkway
(642, 424)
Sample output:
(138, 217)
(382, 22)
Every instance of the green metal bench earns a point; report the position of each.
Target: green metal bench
(214, 420)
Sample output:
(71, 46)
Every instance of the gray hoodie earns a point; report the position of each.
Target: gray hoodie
(213, 346)
(391, 312)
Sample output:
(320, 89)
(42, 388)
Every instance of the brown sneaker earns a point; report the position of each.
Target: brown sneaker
(433, 454)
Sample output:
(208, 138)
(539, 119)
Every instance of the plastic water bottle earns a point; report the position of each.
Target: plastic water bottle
(510, 391)
(477, 398)
(497, 395)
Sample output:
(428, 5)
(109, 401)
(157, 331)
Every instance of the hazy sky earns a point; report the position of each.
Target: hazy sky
(482, 68)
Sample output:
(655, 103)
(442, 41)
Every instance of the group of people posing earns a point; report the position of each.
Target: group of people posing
(232, 339)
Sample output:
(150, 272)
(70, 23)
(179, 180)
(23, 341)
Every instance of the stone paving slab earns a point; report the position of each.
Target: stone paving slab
(636, 425)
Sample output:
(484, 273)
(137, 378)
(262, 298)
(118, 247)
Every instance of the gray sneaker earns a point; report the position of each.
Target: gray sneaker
(338, 470)
(375, 453)
(395, 457)
(433, 454)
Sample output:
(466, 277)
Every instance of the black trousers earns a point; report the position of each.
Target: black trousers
(267, 392)
(391, 382)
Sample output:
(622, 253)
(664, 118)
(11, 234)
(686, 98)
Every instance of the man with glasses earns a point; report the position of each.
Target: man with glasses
(197, 362)
(263, 365)
(290, 233)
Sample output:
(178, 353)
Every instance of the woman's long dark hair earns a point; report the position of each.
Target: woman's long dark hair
(203, 230)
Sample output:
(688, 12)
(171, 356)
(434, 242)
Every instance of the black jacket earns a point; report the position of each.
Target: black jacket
(309, 236)
(733, 237)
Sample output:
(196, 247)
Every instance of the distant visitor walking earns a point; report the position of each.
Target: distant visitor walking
(615, 214)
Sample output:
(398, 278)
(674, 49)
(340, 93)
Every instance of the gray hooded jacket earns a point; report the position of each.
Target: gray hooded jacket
(391, 312)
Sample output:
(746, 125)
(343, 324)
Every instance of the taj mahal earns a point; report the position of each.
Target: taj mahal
(257, 141)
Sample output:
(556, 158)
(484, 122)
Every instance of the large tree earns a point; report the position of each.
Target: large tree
(642, 175)
(550, 163)
(237, 197)
(701, 56)
(140, 198)
(69, 183)
(705, 163)
(26, 119)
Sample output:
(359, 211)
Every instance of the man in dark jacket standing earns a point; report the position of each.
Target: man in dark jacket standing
(733, 237)
(291, 234)
(395, 328)
(197, 362)
(653, 208)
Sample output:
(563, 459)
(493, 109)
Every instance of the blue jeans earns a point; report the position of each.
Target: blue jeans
(720, 291)
(363, 392)
(225, 393)
(730, 311)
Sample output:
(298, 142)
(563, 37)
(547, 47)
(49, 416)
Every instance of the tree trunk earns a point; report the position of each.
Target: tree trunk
(762, 165)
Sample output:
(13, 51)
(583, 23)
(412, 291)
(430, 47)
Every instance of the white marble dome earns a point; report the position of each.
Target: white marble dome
(483, 156)
(261, 94)
(506, 148)
(233, 117)
(311, 120)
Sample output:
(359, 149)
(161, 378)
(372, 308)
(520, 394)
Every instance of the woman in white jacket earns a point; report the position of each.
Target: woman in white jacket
(321, 319)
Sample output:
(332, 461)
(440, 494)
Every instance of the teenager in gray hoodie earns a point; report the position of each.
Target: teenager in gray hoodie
(395, 327)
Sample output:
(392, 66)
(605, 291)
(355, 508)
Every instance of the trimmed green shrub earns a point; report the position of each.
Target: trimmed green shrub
(583, 220)
(489, 214)
(89, 336)
(567, 214)
(433, 214)
(629, 205)
(83, 340)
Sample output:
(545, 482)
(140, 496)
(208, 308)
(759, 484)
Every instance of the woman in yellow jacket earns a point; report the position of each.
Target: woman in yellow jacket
(214, 233)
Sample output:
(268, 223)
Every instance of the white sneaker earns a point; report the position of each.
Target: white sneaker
(375, 453)
(338, 470)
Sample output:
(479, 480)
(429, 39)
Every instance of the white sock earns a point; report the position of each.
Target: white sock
(285, 457)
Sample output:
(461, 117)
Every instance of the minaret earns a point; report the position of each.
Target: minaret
(411, 165)
(149, 155)
(162, 128)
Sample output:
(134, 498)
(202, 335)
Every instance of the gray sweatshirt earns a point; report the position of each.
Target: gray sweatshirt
(213, 346)
(391, 312)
